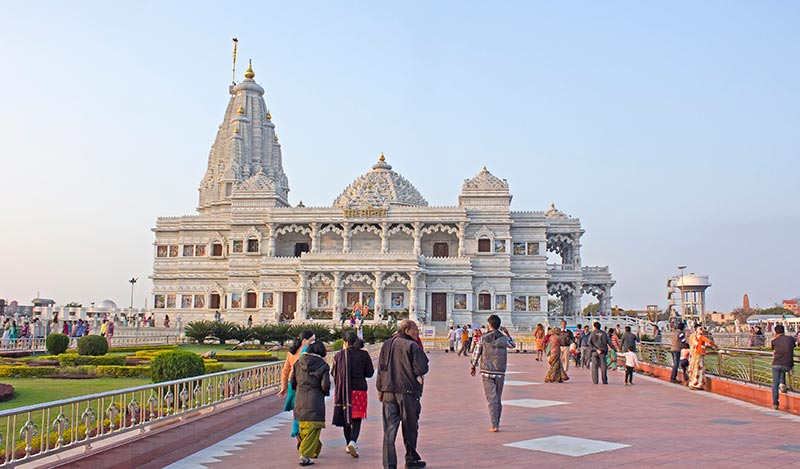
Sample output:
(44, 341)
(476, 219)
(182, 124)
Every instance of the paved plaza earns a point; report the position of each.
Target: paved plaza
(652, 423)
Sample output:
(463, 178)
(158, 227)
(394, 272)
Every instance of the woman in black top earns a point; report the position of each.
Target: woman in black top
(351, 368)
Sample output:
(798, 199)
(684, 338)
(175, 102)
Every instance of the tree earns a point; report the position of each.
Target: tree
(741, 314)
(554, 305)
(591, 309)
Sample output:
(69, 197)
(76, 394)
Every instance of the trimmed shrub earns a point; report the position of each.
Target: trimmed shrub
(70, 359)
(6, 392)
(176, 364)
(114, 371)
(93, 345)
(27, 371)
(141, 348)
(57, 344)
(199, 331)
(213, 366)
(338, 344)
(246, 357)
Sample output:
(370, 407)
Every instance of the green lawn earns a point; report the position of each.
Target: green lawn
(222, 349)
(29, 391)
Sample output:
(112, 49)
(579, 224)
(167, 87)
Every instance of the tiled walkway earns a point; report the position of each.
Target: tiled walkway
(564, 425)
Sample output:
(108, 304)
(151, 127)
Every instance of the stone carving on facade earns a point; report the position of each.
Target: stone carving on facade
(484, 181)
(395, 277)
(256, 183)
(358, 277)
(365, 228)
(321, 279)
(401, 228)
(440, 228)
(553, 212)
(293, 228)
(484, 232)
(380, 188)
(331, 228)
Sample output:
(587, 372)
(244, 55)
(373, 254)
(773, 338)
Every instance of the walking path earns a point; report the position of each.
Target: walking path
(652, 423)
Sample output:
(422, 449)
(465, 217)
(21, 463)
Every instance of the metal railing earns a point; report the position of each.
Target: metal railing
(40, 344)
(750, 366)
(42, 430)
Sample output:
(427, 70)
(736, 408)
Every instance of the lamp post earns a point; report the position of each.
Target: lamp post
(132, 281)
(683, 310)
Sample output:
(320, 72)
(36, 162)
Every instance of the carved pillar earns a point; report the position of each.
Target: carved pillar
(314, 237)
(378, 294)
(302, 300)
(271, 244)
(345, 238)
(575, 306)
(412, 297)
(337, 295)
(461, 249)
(384, 237)
(417, 238)
(607, 296)
(576, 250)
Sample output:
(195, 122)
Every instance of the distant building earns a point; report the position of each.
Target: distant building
(792, 305)
(745, 302)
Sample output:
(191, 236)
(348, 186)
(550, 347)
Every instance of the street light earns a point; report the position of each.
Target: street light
(132, 281)
(683, 310)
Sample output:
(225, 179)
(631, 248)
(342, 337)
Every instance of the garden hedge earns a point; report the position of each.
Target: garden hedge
(27, 371)
(115, 371)
(246, 357)
(56, 343)
(139, 348)
(213, 366)
(176, 364)
(93, 345)
(70, 359)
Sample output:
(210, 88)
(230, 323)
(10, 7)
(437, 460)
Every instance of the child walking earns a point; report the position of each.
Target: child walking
(684, 363)
(631, 361)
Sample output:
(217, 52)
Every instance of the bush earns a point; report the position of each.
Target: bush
(141, 348)
(70, 359)
(199, 331)
(246, 357)
(93, 345)
(114, 371)
(57, 344)
(213, 366)
(338, 344)
(224, 331)
(27, 371)
(321, 331)
(149, 354)
(77, 371)
(6, 392)
(176, 364)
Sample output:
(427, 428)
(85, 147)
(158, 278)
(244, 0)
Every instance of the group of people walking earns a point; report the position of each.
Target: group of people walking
(306, 380)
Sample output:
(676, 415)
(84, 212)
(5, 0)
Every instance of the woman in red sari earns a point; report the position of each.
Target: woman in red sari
(351, 368)
(556, 373)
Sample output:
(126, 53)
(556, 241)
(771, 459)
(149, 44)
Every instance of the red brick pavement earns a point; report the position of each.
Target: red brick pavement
(663, 424)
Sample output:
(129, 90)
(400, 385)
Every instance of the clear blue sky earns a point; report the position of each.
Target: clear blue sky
(670, 130)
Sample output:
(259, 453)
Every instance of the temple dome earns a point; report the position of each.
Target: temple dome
(380, 188)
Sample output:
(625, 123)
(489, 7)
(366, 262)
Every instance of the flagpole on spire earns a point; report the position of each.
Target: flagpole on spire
(235, 46)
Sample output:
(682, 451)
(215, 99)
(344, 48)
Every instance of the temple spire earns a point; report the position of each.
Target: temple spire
(249, 73)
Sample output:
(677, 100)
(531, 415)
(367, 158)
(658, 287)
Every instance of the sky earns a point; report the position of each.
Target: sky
(670, 129)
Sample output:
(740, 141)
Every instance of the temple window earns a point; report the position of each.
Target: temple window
(300, 248)
(484, 245)
(162, 251)
(214, 303)
(173, 251)
(237, 245)
(252, 245)
(216, 250)
(484, 301)
(200, 250)
(188, 250)
(441, 250)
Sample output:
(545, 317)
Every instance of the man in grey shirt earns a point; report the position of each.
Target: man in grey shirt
(492, 355)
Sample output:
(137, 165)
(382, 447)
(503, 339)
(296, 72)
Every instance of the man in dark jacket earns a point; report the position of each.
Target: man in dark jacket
(782, 361)
(401, 366)
(599, 343)
(492, 354)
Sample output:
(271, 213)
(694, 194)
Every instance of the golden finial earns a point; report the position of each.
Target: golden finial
(236, 129)
(269, 116)
(240, 110)
(249, 73)
(382, 158)
(276, 139)
(484, 168)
